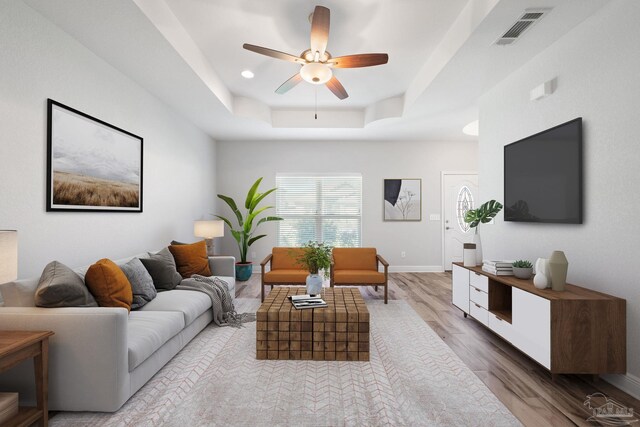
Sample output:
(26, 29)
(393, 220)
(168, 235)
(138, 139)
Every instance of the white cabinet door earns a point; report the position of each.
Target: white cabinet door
(532, 326)
(460, 288)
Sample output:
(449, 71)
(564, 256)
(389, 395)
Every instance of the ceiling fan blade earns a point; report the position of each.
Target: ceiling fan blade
(336, 87)
(273, 53)
(289, 84)
(357, 61)
(320, 30)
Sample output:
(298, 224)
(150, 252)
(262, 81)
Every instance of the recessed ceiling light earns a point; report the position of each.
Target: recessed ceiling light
(471, 128)
(247, 74)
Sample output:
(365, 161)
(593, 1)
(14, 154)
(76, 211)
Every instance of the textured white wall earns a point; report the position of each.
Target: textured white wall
(597, 66)
(39, 61)
(240, 163)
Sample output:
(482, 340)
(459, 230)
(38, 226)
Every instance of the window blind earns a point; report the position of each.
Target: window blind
(324, 208)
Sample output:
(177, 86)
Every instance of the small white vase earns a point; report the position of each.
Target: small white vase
(478, 242)
(541, 279)
(314, 284)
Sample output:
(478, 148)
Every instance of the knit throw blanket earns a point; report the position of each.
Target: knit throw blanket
(224, 312)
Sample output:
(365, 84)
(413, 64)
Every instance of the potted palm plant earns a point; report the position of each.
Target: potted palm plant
(244, 232)
(474, 217)
(314, 258)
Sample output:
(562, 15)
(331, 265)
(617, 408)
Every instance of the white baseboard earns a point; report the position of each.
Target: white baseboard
(628, 383)
(415, 269)
(395, 269)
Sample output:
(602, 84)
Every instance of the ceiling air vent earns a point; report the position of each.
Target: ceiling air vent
(526, 21)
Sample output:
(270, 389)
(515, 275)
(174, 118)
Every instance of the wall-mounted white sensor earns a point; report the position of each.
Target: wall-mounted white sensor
(543, 90)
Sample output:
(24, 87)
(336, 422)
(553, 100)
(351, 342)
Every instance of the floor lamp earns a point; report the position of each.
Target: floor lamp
(209, 230)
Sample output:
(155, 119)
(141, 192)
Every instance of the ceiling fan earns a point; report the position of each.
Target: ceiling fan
(317, 62)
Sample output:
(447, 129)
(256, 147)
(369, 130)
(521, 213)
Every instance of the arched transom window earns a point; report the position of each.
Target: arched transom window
(464, 203)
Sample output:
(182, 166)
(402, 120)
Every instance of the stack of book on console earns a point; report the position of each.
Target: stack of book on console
(498, 268)
(307, 301)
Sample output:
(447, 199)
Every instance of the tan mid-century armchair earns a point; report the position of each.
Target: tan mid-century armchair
(359, 267)
(284, 271)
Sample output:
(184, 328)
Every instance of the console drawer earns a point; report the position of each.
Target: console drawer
(501, 327)
(479, 313)
(477, 296)
(479, 281)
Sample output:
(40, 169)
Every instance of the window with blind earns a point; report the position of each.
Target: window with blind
(323, 208)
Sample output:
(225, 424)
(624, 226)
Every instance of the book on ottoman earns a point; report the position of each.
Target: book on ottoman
(301, 302)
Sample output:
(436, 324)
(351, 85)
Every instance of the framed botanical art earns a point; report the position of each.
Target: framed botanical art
(91, 165)
(402, 199)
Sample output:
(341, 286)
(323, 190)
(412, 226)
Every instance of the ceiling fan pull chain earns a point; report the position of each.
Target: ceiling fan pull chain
(316, 103)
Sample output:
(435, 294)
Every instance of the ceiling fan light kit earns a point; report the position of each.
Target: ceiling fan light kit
(316, 62)
(316, 73)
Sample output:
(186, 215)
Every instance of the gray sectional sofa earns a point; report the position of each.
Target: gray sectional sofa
(100, 356)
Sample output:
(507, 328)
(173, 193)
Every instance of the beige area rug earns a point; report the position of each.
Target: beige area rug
(413, 379)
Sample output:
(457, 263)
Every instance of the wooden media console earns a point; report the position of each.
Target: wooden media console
(576, 331)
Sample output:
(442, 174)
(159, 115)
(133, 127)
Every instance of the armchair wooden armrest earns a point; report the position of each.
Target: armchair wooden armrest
(266, 260)
(263, 264)
(382, 261)
(331, 268)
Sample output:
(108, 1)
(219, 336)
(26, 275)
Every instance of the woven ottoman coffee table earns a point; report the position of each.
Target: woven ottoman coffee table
(337, 332)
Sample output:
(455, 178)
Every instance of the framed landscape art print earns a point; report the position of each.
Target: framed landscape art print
(91, 165)
(402, 199)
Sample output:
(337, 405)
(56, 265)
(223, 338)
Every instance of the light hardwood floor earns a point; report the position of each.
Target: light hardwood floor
(521, 384)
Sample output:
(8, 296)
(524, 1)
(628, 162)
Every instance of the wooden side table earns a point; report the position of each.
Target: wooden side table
(16, 346)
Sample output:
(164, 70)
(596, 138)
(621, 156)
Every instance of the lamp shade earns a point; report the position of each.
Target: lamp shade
(208, 229)
(8, 255)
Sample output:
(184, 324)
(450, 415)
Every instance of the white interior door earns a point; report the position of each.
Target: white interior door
(459, 192)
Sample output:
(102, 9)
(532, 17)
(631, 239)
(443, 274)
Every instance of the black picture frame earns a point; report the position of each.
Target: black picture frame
(92, 165)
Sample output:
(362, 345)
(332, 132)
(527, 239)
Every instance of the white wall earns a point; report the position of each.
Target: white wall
(597, 66)
(39, 61)
(240, 163)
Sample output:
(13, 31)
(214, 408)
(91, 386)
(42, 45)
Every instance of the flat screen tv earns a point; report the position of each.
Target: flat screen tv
(543, 176)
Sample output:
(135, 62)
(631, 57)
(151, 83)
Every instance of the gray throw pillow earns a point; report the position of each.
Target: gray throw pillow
(60, 286)
(162, 268)
(141, 283)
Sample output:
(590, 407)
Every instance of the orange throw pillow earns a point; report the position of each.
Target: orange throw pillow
(191, 259)
(108, 284)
